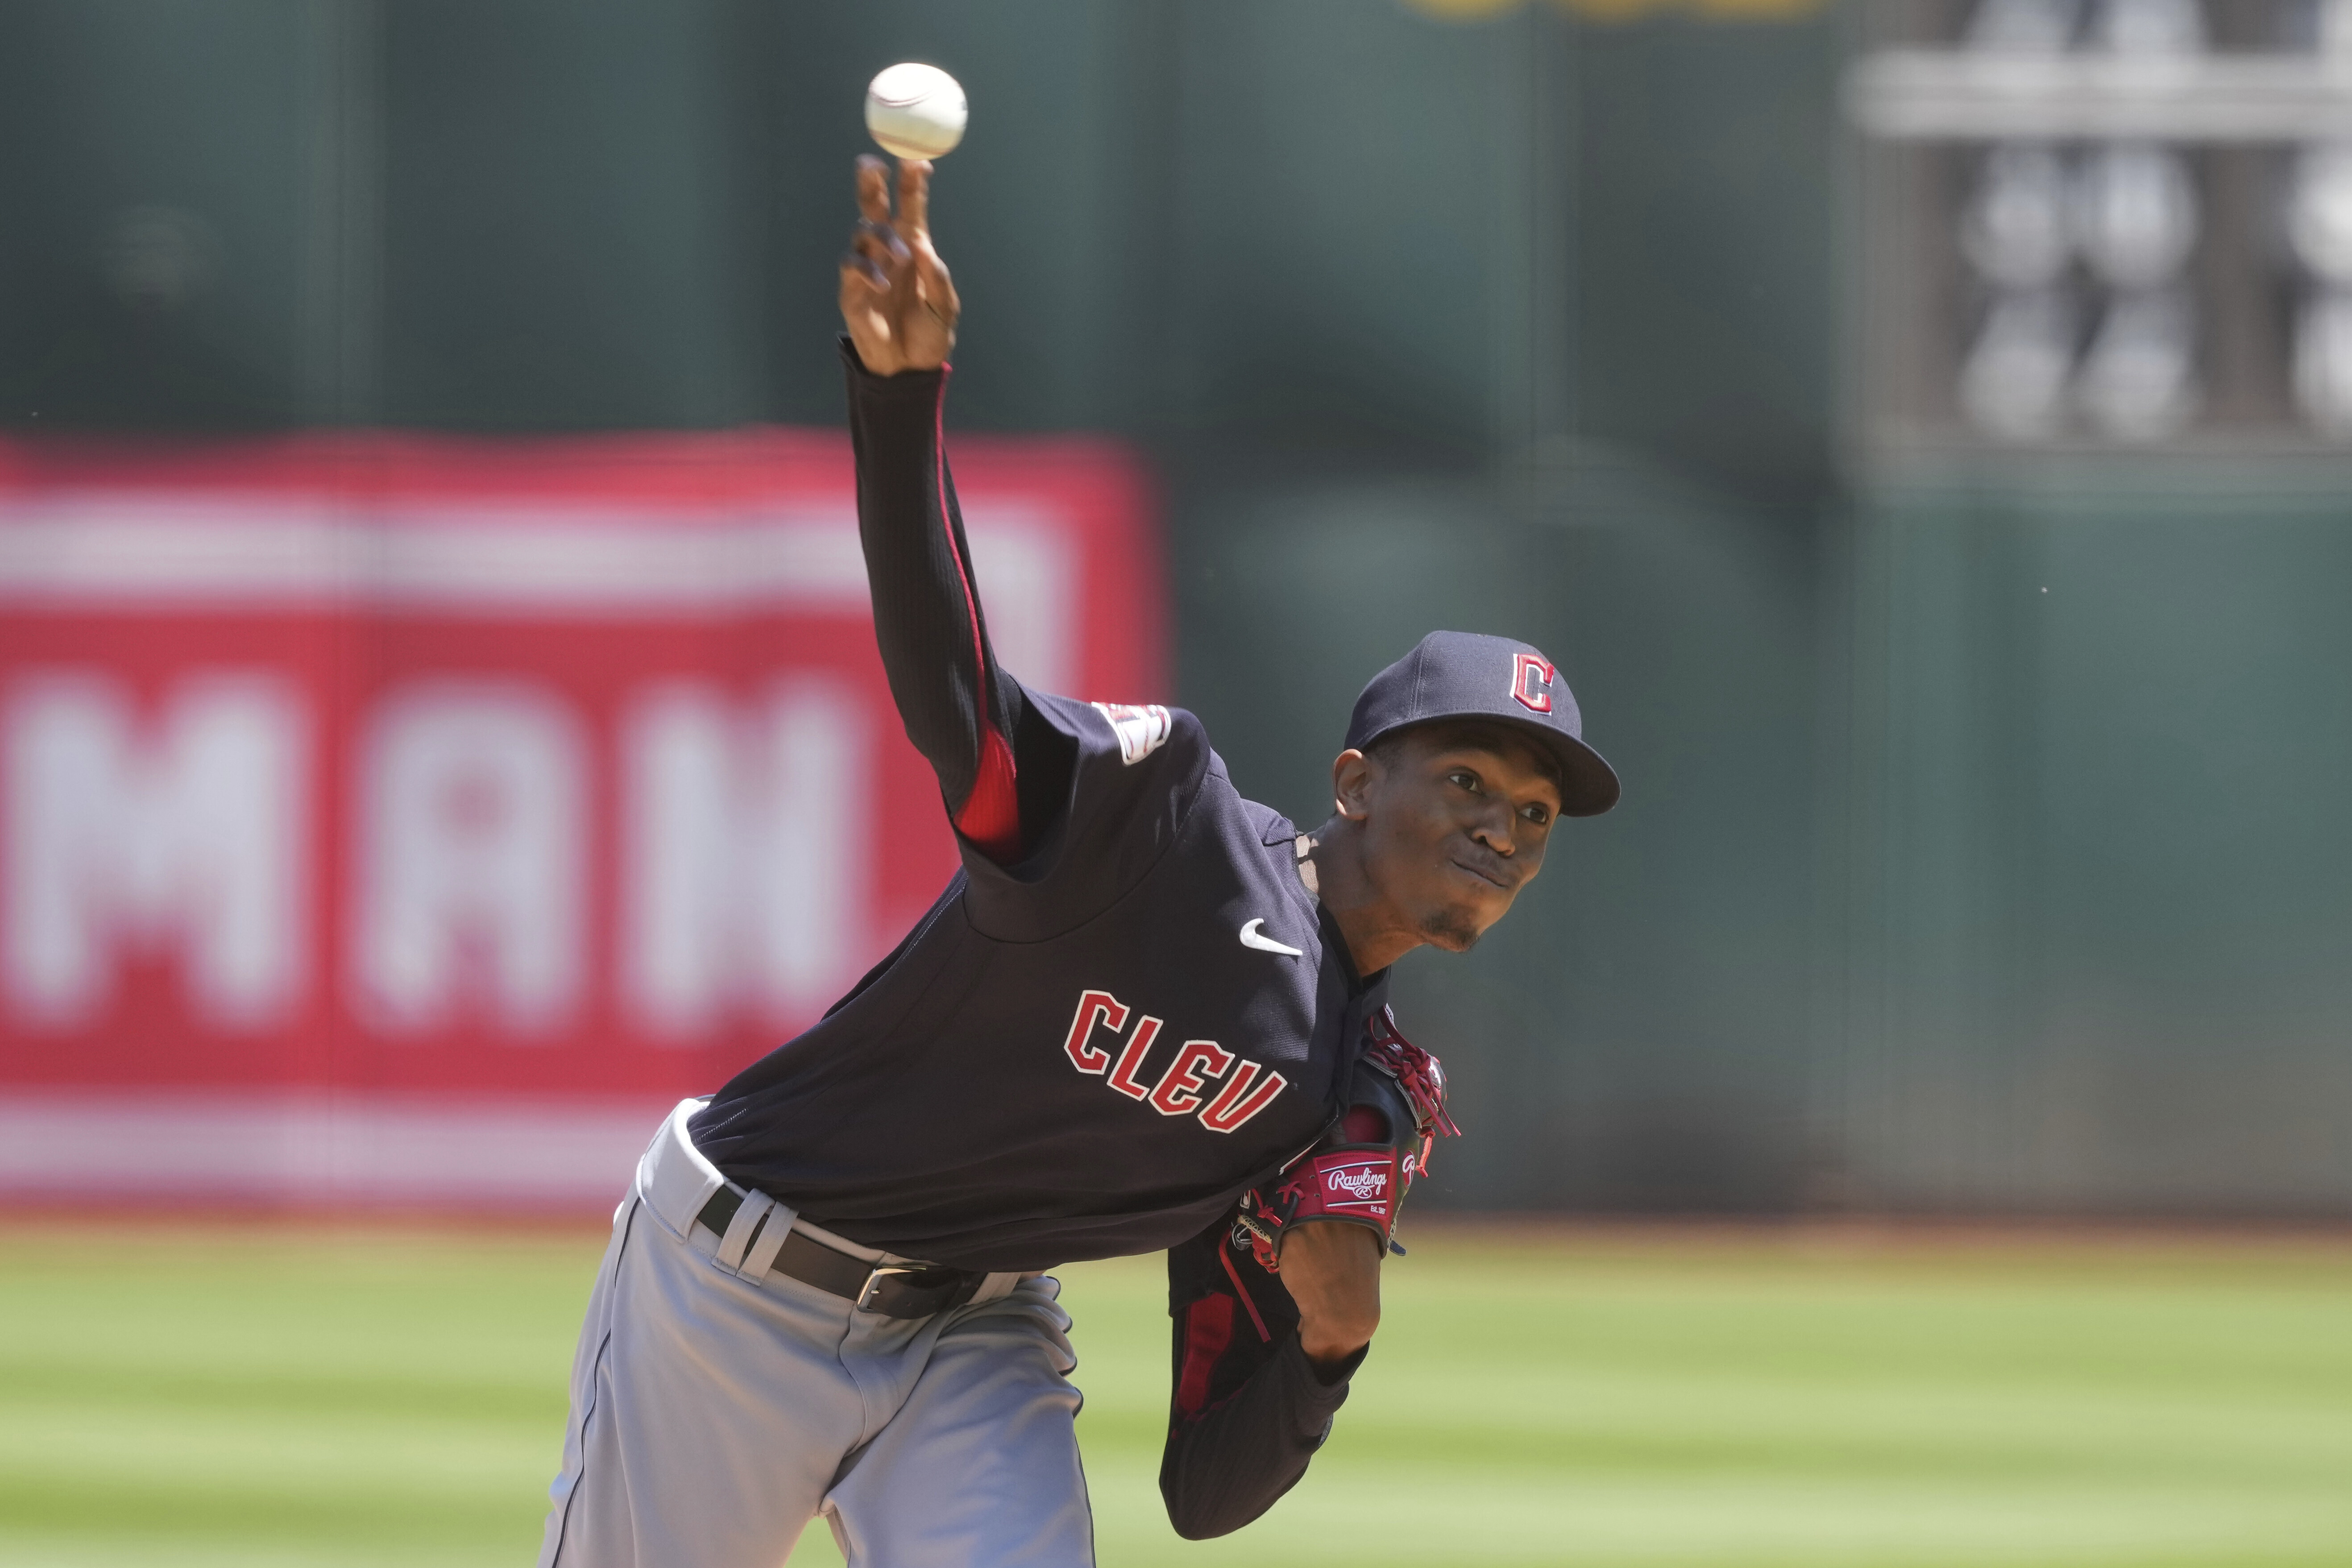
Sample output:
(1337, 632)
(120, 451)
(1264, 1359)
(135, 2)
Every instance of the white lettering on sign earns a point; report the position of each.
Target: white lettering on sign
(745, 852)
(471, 848)
(191, 829)
(1027, 578)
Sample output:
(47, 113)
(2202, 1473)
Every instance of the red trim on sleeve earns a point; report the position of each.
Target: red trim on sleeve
(1225, 1256)
(991, 816)
(1208, 1330)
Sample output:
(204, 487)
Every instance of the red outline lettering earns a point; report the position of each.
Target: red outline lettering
(1093, 1006)
(1524, 664)
(1229, 1109)
(1179, 1088)
(1122, 1076)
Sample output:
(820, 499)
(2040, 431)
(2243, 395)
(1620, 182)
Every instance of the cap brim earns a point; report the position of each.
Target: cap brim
(1592, 785)
(1588, 784)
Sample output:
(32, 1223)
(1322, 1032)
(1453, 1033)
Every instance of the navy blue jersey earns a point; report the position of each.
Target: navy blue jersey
(1076, 1054)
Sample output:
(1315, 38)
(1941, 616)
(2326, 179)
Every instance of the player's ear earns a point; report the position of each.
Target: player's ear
(1353, 776)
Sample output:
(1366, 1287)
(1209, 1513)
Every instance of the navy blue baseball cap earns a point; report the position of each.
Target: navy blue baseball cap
(1466, 675)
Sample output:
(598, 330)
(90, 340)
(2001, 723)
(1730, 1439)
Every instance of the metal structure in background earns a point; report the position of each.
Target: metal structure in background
(2114, 222)
(2082, 855)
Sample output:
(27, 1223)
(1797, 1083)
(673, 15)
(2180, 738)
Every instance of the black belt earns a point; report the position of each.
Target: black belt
(893, 1289)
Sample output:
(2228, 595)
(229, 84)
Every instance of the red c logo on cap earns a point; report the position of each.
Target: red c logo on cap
(1531, 679)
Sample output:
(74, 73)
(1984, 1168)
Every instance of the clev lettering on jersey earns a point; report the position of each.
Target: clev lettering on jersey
(1204, 1080)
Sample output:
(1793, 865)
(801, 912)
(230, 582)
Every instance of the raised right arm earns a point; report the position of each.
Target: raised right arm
(1003, 769)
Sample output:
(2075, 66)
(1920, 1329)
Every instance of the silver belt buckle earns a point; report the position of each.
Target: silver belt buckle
(874, 1280)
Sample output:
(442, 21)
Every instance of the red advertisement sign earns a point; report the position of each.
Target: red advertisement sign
(383, 816)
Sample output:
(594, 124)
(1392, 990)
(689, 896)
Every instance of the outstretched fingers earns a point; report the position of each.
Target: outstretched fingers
(879, 245)
(915, 197)
(873, 189)
(896, 296)
(930, 274)
(876, 245)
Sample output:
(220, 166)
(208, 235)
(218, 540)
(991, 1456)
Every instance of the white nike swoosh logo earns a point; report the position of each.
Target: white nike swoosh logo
(1250, 938)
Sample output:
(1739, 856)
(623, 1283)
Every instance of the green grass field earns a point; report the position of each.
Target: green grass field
(264, 1396)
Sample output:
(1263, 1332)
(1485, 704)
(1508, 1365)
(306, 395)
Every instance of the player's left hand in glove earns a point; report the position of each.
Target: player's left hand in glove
(1358, 1182)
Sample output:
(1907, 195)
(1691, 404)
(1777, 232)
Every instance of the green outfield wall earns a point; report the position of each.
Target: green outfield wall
(1984, 844)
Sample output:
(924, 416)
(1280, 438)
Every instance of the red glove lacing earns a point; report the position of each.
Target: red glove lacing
(1418, 1073)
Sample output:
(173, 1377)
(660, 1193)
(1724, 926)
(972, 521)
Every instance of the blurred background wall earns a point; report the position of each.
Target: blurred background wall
(1981, 847)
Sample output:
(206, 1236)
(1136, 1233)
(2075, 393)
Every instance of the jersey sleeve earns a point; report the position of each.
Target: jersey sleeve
(1249, 1410)
(1002, 771)
(1136, 776)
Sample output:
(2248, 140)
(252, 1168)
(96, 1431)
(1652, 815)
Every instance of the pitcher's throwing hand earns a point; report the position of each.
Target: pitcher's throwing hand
(897, 298)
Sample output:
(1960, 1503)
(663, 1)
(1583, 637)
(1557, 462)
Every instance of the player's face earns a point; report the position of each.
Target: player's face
(1457, 826)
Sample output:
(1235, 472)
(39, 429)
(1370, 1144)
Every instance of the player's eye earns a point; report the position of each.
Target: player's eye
(1536, 812)
(1463, 778)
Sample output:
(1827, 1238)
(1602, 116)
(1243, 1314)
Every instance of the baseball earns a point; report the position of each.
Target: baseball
(915, 112)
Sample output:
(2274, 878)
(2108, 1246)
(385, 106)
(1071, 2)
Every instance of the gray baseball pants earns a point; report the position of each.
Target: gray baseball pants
(717, 1407)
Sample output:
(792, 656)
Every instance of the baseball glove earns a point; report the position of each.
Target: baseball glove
(1358, 1180)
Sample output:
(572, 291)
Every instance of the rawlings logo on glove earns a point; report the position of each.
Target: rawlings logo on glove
(1356, 1182)
(1365, 1185)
